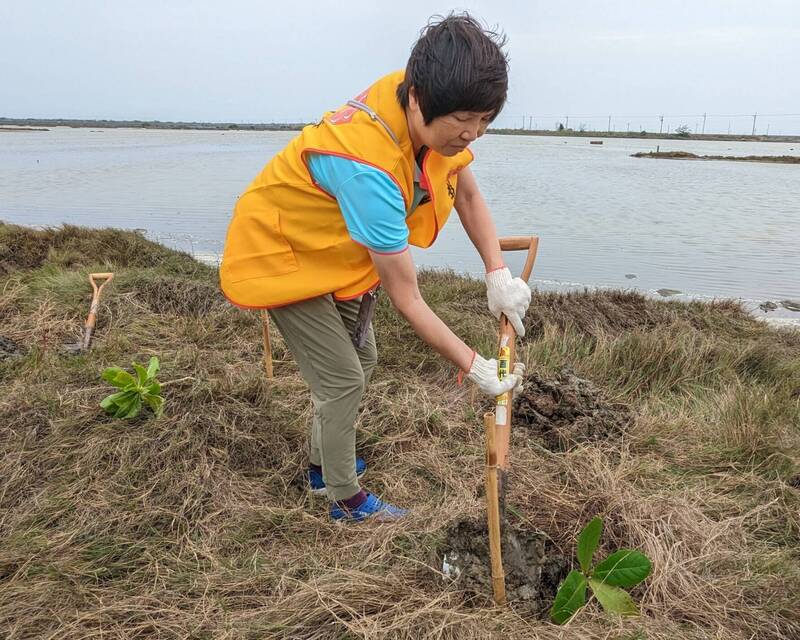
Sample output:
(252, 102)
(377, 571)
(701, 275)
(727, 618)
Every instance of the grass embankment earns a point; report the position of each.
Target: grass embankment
(685, 155)
(195, 525)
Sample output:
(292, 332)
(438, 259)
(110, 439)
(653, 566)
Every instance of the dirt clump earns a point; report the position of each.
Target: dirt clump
(533, 567)
(9, 348)
(567, 410)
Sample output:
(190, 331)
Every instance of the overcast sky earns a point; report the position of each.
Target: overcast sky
(262, 61)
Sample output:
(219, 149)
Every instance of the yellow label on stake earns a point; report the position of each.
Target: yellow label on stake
(503, 369)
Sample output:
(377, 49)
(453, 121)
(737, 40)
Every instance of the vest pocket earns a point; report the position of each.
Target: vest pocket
(261, 249)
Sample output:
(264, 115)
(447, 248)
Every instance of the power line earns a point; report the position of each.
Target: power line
(685, 115)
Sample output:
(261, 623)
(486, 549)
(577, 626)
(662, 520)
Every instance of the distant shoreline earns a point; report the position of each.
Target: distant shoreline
(685, 155)
(40, 124)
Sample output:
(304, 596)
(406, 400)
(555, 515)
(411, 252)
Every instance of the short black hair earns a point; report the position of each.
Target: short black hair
(456, 65)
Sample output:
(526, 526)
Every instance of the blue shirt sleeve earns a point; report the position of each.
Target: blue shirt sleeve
(371, 203)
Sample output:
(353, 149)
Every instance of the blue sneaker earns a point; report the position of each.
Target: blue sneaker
(372, 507)
(317, 485)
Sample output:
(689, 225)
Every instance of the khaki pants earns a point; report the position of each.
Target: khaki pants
(317, 332)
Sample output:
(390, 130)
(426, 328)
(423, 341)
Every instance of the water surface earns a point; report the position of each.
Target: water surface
(706, 229)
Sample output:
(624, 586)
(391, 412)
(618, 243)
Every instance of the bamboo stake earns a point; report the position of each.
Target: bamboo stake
(493, 511)
(267, 343)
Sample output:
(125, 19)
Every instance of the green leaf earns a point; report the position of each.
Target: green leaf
(133, 410)
(118, 377)
(613, 599)
(588, 541)
(152, 367)
(125, 403)
(141, 373)
(110, 374)
(154, 389)
(571, 596)
(109, 403)
(623, 568)
(156, 403)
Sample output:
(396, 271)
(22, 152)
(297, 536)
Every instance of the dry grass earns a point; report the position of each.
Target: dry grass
(195, 525)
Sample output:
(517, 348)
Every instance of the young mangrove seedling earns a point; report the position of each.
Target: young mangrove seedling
(134, 390)
(623, 568)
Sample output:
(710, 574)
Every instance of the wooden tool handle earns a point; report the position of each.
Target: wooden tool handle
(520, 243)
(88, 331)
(507, 347)
(493, 512)
(91, 319)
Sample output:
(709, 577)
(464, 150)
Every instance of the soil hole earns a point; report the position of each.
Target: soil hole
(533, 568)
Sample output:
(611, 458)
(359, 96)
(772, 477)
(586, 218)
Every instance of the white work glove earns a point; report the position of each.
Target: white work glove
(509, 296)
(483, 373)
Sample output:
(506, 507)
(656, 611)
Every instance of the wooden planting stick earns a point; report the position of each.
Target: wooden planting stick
(267, 343)
(493, 511)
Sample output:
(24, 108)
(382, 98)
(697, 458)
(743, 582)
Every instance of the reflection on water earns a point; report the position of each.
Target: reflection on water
(711, 229)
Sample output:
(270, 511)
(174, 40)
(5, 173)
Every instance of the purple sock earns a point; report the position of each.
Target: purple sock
(355, 501)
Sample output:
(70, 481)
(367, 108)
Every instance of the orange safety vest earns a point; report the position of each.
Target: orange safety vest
(288, 240)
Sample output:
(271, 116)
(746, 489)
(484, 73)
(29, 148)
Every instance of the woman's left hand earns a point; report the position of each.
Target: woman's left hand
(509, 296)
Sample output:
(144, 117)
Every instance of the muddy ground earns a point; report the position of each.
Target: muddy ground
(9, 348)
(533, 568)
(566, 410)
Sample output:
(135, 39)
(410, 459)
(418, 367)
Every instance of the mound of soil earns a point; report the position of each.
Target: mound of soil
(567, 410)
(533, 569)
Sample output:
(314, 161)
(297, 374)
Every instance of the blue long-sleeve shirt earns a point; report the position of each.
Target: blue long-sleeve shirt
(371, 203)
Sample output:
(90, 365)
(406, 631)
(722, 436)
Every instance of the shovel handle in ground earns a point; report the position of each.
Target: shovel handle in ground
(506, 350)
(498, 426)
(91, 320)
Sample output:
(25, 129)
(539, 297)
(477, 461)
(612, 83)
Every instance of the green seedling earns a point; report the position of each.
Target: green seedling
(134, 390)
(623, 568)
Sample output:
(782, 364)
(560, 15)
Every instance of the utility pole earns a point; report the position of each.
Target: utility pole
(661, 128)
(530, 122)
(754, 124)
(704, 123)
(609, 124)
(768, 128)
(567, 125)
(523, 122)
(729, 127)
(628, 129)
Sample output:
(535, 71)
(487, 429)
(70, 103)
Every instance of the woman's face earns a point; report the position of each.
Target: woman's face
(447, 134)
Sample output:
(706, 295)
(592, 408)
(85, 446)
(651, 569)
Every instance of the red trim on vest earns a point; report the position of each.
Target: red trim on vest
(249, 307)
(353, 297)
(432, 197)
